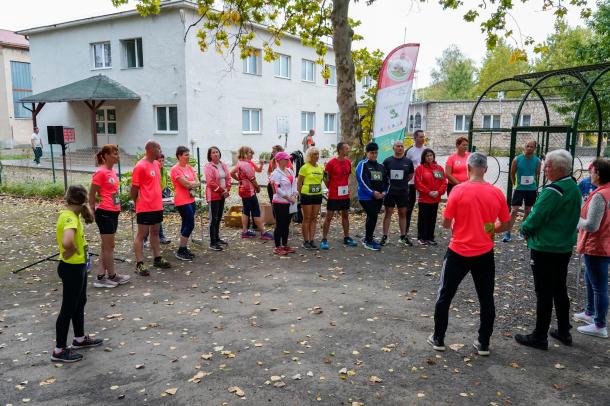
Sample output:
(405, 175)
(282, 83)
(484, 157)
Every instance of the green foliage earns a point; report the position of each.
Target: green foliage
(453, 78)
(324, 153)
(367, 63)
(265, 156)
(499, 64)
(48, 190)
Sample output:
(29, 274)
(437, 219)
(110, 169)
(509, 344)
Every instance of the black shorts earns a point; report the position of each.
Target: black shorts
(337, 204)
(524, 196)
(107, 221)
(251, 206)
(396, 200)
(150, 218)
(311, 200)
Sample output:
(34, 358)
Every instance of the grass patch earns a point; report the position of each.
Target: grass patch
(48, 190)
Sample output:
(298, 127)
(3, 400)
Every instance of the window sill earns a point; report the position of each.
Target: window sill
(330, 132)
(251, 132)
(165, 133)
(252, 74)
(308, 81)
(282, 77)
(105, 68)
(22, 118)
(134, 68)
(460, 131)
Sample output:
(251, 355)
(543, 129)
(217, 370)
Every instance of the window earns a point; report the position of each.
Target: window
(462, 122)
(332, 78)
(252, 64)
(491, 121)
(417, 121)
(22, 87)
(308, 70)
(282, 67)
(330, 125)
(366, 82)
(105, 121)
(411, 120)
(524, 121)
(308, 121)
(251, 120)
(101, 55)
(132, 53)
(167, 119)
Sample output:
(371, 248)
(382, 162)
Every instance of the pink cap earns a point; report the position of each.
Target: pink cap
(282, 155)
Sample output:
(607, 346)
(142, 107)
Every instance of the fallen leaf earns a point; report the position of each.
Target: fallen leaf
(171, 391)
(456, 347)
(559, 366)
(50, 380)
(375, 379)
(236, 391)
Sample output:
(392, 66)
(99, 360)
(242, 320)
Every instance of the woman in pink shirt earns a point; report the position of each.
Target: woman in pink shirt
(217, 187)
(456, 168)
(185, 184)
(105, 185)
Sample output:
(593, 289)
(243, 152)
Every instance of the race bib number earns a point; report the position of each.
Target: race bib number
(315, 188)
(397, 174)
(376, 175)
(490, 230)
(342, 190)
(115, 199)
(192, 193)
(527, 180)
(437, 174)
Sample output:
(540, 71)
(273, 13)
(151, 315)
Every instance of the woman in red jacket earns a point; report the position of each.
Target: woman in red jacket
(218, 185)
(431, 183)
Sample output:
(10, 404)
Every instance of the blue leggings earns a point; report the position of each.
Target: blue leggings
(187, 213)
(596, 282)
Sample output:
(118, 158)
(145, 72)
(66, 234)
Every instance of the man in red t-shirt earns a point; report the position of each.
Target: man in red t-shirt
(146, 193)
(472, 211)
(336, 178)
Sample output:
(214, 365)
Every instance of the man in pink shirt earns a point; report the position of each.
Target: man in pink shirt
(472, 211)
(146, 193)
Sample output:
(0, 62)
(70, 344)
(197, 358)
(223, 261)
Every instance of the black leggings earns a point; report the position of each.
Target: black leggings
(216, 209)
(74, 279)
(282, 214)
(426, 221)
(371, 208)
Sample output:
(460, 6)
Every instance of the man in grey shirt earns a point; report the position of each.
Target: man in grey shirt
(414, 154)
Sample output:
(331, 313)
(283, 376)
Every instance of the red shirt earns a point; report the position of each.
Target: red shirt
(474, 208)
(108, 183)
(245, 174)
(338, 178)
(430, 178)
(182, 195)
(146, 175)
(459, 167)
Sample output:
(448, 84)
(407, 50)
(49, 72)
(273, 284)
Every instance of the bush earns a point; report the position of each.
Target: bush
(324, 153)
(265, 156)
(48, 190)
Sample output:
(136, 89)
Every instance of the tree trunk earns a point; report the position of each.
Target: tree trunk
(351, 131)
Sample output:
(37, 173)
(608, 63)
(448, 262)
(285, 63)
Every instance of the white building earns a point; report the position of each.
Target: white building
(15, 83)
(185, 95)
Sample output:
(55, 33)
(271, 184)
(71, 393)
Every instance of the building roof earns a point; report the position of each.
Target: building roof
(98, 87)
(10, 39)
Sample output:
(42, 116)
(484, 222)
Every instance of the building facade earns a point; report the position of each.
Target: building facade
(186, 97)
(15, 82)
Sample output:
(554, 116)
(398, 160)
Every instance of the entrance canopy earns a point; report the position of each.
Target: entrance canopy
(93, 91)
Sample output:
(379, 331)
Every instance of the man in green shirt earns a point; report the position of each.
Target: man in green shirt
(550, 231)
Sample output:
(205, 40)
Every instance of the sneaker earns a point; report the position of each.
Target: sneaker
(407, 241)
(267, 236)
(248, 234)
(120, 279)
(566, 339)
(593, 330)
(141, 269)
(66, 355)
(182, 255)
(482, 349)
(161, 263)
(306, 245)
(583, 317)
(87, 342)
(215, 247)
(279, 251)
(222, 242)
(384, 240)
(373, 246)
(165, 241)
(312, 245)
(432, 242)
(437, 344)
(422, 242)
(289, 250)
(324, 244)
(104, 283)
(531, 341)
(521, 236)
(506, 237)
(349, 242)
(404, 242)
(189, 253)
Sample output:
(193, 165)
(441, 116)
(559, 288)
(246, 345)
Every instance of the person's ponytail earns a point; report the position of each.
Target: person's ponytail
(77, 195)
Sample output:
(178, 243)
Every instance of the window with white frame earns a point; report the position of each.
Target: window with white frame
(102, 57)
(308, 121)
(491, 121)
(167, 119)
(133, 57)
(462, 122)
(332, 78)
(251, 120)
(252, 63)
(281, 67)
(366, 82)
(417, 124)
(308, 70)
(524, 120)
(105, 121)
(330, 123)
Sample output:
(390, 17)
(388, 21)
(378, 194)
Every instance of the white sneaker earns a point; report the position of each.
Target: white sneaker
(104, 283)
(120, 279)
(593, 330)
(583, 317)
